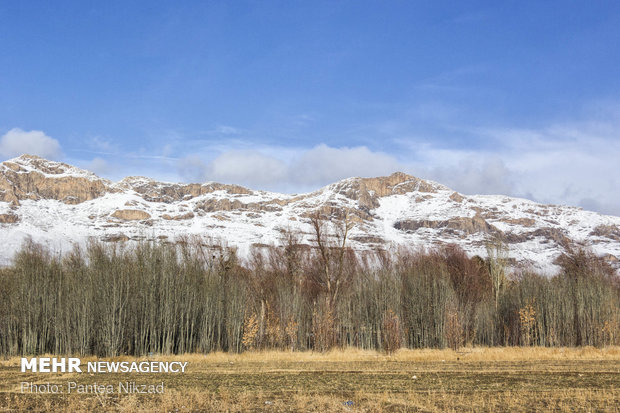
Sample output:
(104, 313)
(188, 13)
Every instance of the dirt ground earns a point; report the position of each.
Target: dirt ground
(472, 379)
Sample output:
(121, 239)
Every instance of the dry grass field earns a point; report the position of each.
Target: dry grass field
(473, 379)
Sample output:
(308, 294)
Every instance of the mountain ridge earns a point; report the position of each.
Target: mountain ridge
(59, 204)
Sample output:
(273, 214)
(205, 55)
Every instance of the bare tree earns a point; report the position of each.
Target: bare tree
(333, 275)
(497, 258)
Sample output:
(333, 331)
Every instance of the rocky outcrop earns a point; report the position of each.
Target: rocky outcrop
(548, 234)
(367, 191)
(225, 204)
(607, 231)
(524, 222)
(213, 205)
(181, 217)
(335, 212)
(31, 177)
(456, 197)
(115, 238)
(465, 225)
(154, 191)
(8, 218)
(131, 214)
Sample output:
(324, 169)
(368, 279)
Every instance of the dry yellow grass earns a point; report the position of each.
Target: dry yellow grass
(471, 379)
(356, 354)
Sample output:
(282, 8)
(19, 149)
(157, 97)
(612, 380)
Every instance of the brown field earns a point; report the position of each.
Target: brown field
(472, 379)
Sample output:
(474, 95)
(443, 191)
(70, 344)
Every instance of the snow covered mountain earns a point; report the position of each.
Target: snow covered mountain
(58, 205)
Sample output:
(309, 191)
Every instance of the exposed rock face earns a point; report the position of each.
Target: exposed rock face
(525, 222)
(456, 197)
(554, 234)
(154, 191)
(335, 212)
(368, 190)
(32, 177)
(116, 238)
(607, 231)
(8, 218)
(131, 214)
(35, 178)
(547, 234)
(212, 205)
(463, 224)
(181, 217)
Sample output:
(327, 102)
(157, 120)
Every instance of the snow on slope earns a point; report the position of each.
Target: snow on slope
(399, 210)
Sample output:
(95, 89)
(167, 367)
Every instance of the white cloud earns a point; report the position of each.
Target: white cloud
(18, 142)
(250, 167)
(574, 165)
(475, 175)
(572, 162)
(103, 145)
(299, 170)
(192, 169)
(323, 164)
(99, 166)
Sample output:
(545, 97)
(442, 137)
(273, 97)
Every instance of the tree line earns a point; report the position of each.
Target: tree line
(110, 299)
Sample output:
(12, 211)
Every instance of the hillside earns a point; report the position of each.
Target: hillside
(58, 205)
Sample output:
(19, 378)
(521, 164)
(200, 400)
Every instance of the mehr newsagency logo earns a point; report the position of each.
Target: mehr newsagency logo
(75, 365)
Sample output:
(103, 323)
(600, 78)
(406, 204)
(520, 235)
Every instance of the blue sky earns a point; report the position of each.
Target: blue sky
(519, 98)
